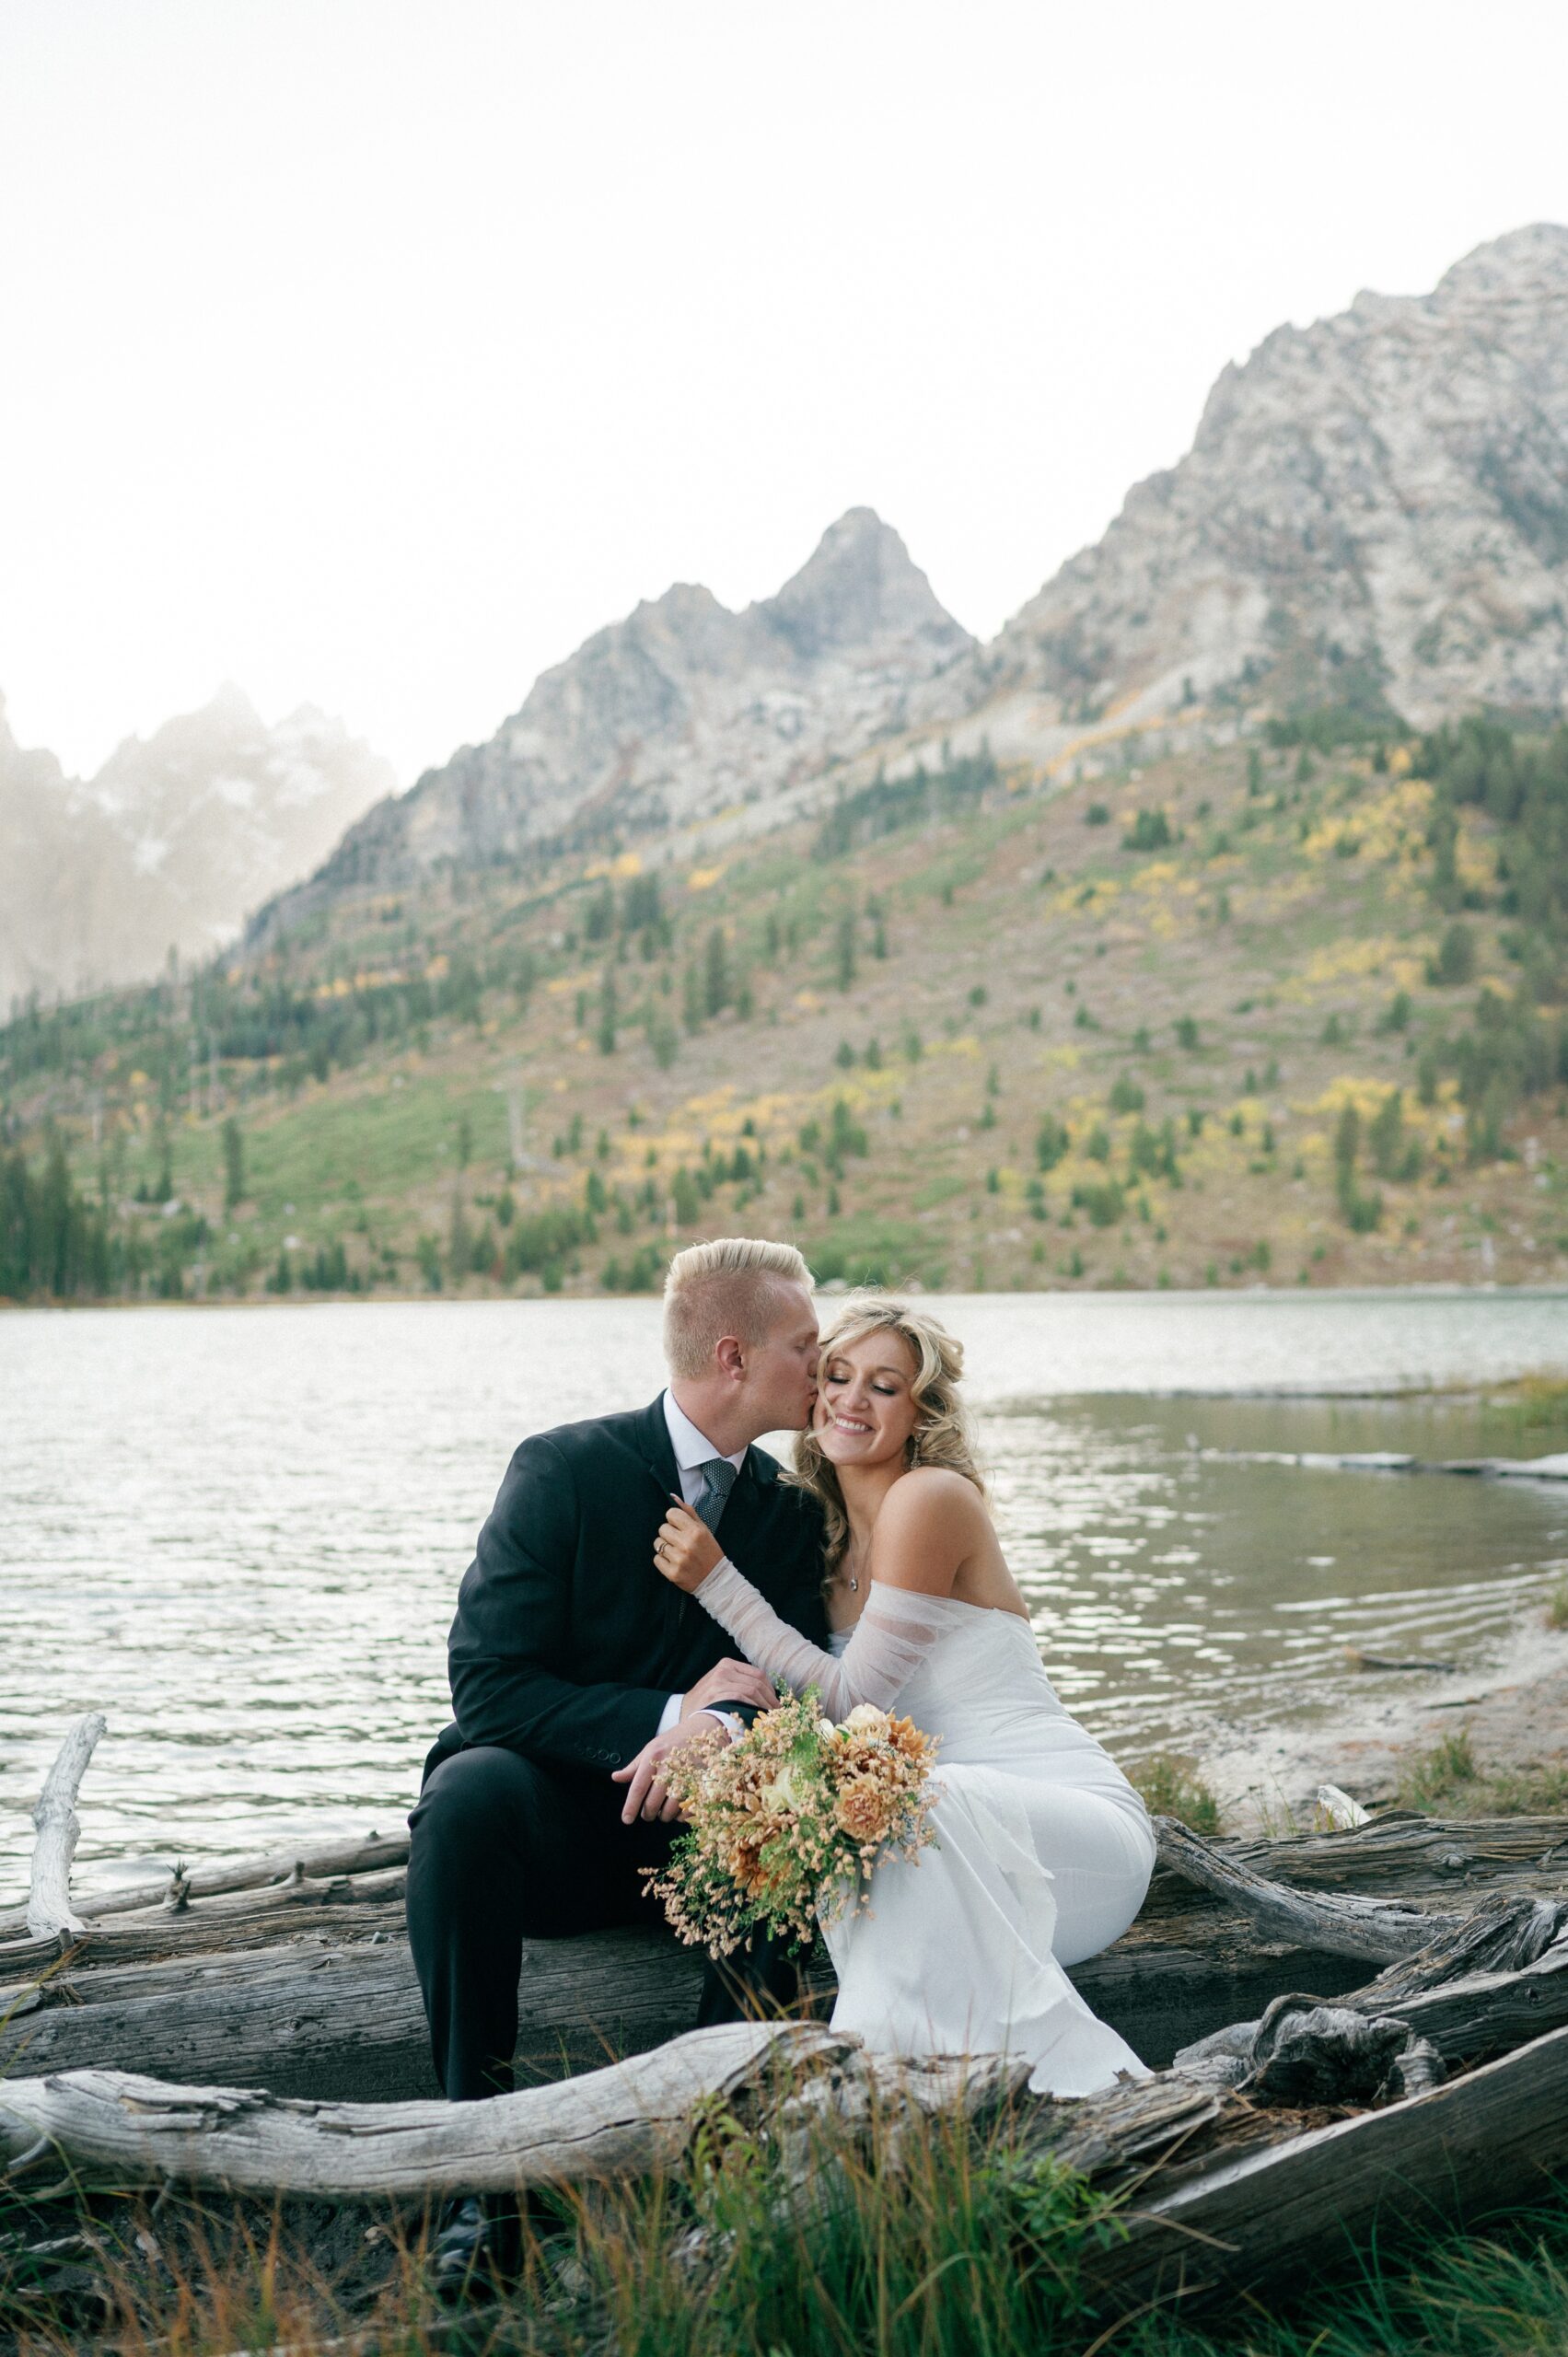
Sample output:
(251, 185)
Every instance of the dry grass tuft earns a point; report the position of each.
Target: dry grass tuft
(1171, 1786)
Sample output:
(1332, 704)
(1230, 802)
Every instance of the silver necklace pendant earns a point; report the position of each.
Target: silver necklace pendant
(853, 1584)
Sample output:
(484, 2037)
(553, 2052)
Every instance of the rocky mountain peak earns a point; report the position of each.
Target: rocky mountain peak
(1375, 510)
(681, 709)
(860, 586)
(177, 837)
(1511, 267)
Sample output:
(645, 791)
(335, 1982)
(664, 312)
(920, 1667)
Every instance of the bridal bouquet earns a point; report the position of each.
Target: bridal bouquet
(786, 1824)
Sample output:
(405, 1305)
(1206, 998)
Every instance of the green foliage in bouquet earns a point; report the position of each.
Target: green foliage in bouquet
(785, 1827)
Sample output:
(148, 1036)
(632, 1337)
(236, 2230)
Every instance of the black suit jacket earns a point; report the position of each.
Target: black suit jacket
(567, 1642)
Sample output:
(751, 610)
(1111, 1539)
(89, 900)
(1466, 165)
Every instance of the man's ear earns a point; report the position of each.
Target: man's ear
(731, 1357)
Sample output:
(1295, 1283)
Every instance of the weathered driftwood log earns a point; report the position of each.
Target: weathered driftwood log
(1471, 2021)
(345, 2020)
(1505, 1932)
(1402, 1854)
(115, 2127)
(309, 1991)
(318, 1861)
(1499, 1981)
(1398, 1853)
(1306, 2055)
(1491, 2138)
(49, 1908)
(1375, 1928)
(353, 1906)
(291, 1971)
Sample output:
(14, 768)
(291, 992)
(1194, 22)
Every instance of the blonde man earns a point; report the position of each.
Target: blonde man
(570, 1658)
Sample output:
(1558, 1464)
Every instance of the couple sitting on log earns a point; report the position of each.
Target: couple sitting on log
(645, 1575)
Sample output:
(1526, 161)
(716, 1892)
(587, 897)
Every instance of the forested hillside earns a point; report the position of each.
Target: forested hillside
(1287, 1011)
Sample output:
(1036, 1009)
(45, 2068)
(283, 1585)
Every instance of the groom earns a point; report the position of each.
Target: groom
(570, 1658)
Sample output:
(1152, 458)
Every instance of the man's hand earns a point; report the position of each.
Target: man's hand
(729, 1681)
(649, 1796)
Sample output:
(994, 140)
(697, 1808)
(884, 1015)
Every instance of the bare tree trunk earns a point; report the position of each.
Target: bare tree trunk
(49, 1899)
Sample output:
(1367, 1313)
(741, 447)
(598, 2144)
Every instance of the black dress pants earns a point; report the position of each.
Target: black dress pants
(503, 1851)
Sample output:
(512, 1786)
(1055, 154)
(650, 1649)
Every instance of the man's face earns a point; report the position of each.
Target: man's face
(782, 1369)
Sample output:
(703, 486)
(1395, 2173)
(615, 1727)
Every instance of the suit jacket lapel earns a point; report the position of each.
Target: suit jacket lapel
(655, 1448)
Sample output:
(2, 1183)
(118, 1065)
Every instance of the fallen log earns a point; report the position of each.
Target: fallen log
(291, 1971)
(1475, 2146)
(348, 1908)
(114, 2128)
(342, 2018)
(1332, 1923)
(1500, 1982)
(1402, 1854)
(308, 1861)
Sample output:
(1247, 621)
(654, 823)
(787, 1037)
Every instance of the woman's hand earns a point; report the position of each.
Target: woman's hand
(685, 1550)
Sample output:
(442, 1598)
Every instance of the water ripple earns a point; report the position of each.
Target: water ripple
(239, 1532)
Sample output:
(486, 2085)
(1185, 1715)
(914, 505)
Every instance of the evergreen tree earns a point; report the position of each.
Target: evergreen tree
(846, 949)
(233, 1165)
(460, 1242)
(716, 982)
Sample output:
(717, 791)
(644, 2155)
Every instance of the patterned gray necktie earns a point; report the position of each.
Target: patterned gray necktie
(718, 1479)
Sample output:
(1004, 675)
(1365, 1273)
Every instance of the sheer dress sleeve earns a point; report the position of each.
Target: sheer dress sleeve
(893, 1635)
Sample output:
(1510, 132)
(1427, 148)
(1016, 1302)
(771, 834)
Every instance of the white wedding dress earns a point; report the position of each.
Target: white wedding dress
(1044, 1849)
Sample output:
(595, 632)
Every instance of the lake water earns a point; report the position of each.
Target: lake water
(239, 1532)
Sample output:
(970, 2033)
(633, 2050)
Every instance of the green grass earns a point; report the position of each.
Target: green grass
(942, 1190)
(913, 2239)
(867, 1250)
(1501, 2293)
(1449, 1781)
(1171, 1787)
(917, 2236)
(1437, 1777)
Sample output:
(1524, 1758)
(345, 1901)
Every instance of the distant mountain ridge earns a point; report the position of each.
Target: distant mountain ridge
(170, 845)
(1373, 511)
(682, 708)
(1374, 508)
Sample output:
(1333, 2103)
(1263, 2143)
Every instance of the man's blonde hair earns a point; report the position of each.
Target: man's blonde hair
(728, 1285)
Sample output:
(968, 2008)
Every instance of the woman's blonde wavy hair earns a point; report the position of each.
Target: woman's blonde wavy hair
(941, 1435)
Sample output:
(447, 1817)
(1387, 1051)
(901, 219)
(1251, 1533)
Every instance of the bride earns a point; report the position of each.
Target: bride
(1045, 1849)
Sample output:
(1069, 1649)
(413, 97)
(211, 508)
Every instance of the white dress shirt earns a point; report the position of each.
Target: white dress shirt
(692, 1451)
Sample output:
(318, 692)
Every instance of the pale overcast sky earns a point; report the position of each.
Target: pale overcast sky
(372, 353)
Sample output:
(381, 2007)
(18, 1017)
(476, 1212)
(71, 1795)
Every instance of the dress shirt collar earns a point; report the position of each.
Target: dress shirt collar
(691, 1447)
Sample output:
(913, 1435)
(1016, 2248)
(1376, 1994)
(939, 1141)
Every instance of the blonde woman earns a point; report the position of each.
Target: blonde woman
(1045, 1849)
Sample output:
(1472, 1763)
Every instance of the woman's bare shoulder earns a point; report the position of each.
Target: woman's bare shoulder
(932, 1491)
(926, 1528)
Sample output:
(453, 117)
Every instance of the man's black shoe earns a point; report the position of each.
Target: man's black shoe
(478, 2248)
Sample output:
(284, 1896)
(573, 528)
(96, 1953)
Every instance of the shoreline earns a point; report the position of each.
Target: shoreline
(1514, 1709)
(832, 1288)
